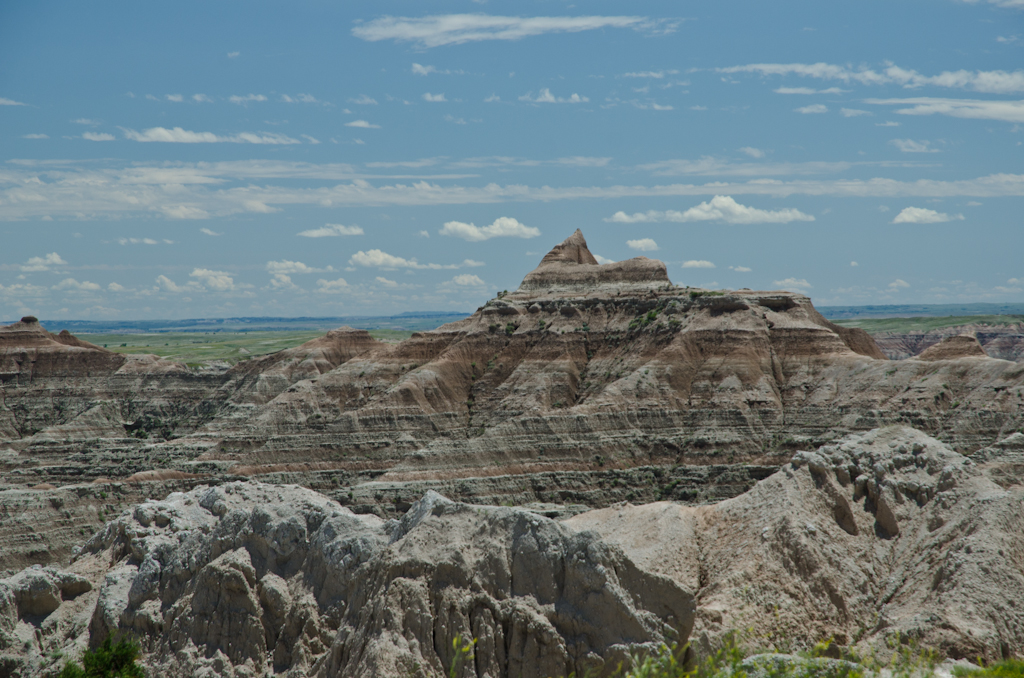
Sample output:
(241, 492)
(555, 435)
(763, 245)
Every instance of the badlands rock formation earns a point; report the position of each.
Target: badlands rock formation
(248, 579)
(1005, 342)
(590, 384)
(883, 533)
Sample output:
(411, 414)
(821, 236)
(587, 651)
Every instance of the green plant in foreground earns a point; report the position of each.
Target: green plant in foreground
(463, 648)
(109, 660)
(1008, 668)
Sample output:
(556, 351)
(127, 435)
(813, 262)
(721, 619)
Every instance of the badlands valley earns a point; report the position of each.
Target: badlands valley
(595, 463)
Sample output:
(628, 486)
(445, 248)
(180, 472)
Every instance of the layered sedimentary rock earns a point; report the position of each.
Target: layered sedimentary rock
(884, 535)
(1005, 342)
(589, 384)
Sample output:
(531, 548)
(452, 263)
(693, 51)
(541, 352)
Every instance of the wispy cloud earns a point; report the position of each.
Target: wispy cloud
(233, 55)
(331, 230)
(427, 96)
(381, 259)
(657, 75)
(898, 284)
(419, 69)
(1006, 111)
(809, 90)
(246, 99)
(70, 284)
(300, 99)
(793, 283)
(720, 208)
(362, 123)
(207, 231)
(11, 102)
(921, 215)
(293, 267)
(35, 136)
(991, 82)
(176, 98)
(911, 146)
(546, 97)
(853, 112)
(698, 263)
(503, 227)
(454, 29)
(752, 152)
(741, 269)
(144, 241)
(98, 136)
(813, 108)
(178, 135)
(363, 100)
(201, 99)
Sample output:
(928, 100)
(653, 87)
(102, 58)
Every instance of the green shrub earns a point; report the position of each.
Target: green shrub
(1009, 668)
(107, 661)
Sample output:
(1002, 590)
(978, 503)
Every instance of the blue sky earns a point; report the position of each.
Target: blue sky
(209, 159)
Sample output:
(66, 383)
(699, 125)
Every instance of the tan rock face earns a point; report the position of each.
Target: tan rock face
(951, 348)
(880, 534)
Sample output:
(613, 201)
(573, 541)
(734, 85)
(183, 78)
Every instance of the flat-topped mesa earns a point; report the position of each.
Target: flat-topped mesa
(570, 264)
(27, 333)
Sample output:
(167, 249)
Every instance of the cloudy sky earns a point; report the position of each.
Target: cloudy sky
(210, 159)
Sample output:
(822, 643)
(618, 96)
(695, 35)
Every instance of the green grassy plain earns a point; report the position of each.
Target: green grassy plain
(198, 347)
(925, 324)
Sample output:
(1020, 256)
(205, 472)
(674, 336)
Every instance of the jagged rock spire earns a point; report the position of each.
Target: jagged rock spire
(572, 250)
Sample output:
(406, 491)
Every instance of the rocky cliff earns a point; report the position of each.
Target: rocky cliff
(878, 536)
(589, 384)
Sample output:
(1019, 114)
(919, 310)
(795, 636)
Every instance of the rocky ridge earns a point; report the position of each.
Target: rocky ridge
(880, 535)
(590, 384)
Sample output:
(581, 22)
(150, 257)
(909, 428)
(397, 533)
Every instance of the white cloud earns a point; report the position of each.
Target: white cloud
(643, 244)
(35, 136)
(853, 112)
(436, 98)
(86, 121)
(451, 118)
(380, 259)
(248, 98)
(98, 136)
(143, 241)
(911, 146)
(454, 29)
(10, 102)
(43, 263)
(201, 99)
(209, 232)
(310, 139)
(791, 283)
(921, 215)
(233, 55)
(423, 70)
(813, 108)
(364, 100)
(283, 281)
(977, 109)
(658, 75)
(603, 260)
(503, 227)
(468, 280)
(115, 287)
(719, 208)
(300, 99)
(887, 123)
(809, 90)
(492, 99)
(332, 286)
(291, 267)
(854, 263)
(698, 108)
(899, 284)
(546, 97)
(741, 269)
(185, 212)
(362, 123)
(331, 230)
(220, 281)
(72, 284)
(424, 234)
(752, 152)
(698, 263)
(178, 135)
(176, 98)
(384, 281)
(991, 82)
(169, 285)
